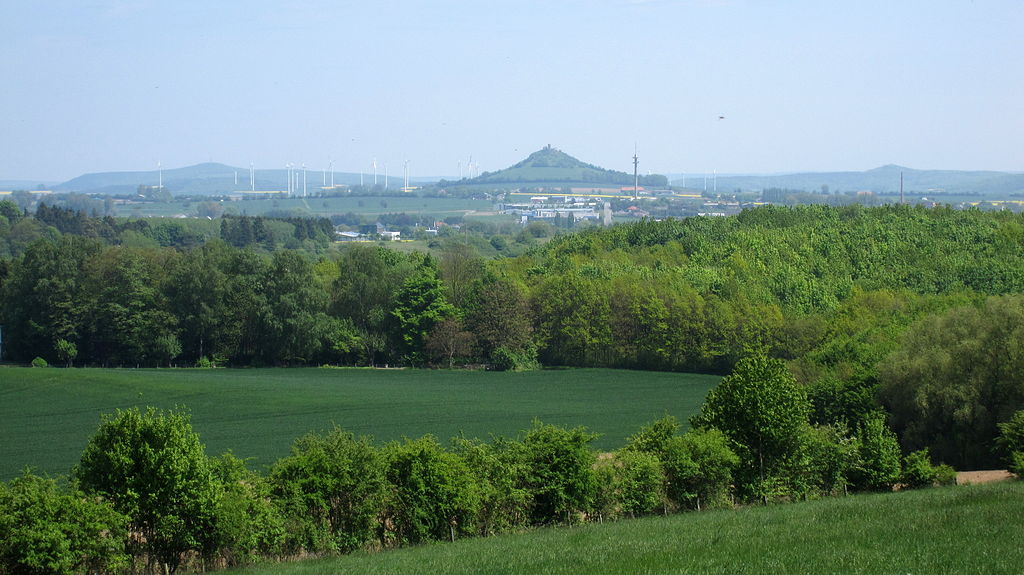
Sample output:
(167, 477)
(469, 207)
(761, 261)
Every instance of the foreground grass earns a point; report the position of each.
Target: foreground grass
(969, 529)
(47, 415)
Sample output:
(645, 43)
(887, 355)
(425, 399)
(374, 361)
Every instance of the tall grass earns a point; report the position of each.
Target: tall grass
(971, 529)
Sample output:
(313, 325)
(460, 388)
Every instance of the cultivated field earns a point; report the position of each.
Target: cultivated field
(967, 529)
(47, 415)
(369, 206)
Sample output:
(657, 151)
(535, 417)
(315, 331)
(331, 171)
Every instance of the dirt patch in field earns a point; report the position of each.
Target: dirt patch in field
(989, 476)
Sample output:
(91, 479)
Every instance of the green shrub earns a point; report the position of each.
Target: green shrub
(630, 483)
(918, 471)
(431, 494)
(879, 466)
(500, 472)
(699, 469)
(830, 457)
(506, 359)
(46, 529)
(1011, 441)
(560, 476)
(945, 474)
(1016, 464)
(329, 487)
(249, 524)
(654, 437)
(39, 362)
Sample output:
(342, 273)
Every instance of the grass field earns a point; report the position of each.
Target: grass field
(47, 415)
(369, 206)
(961, 530)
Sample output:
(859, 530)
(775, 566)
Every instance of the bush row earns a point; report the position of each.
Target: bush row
(146, 498)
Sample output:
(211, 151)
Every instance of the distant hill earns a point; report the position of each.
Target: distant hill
(207, 179)
(882, 180)
(551, 166)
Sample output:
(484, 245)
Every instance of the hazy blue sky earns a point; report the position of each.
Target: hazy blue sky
(804, 85)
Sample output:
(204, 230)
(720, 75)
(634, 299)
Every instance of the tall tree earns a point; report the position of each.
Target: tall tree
(419, 305)
(130, 323)
(760, 407)
(499, 316)
(955, 377)
(197, 295)
(364, 293)
(46, 299)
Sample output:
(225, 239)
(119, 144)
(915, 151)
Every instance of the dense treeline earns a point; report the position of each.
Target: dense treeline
(18, 229)
(145, 497)
(850, 297)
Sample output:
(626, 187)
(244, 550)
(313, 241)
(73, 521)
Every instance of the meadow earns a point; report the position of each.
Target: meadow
(966, 529)
(47, 415)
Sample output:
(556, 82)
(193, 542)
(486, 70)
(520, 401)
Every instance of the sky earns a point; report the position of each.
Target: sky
(803, 85)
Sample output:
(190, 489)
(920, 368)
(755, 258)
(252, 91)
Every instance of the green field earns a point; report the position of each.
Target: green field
(369, 206)
(970, 529)
(47, 415)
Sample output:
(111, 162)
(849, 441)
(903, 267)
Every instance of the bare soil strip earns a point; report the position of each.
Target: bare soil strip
(988, 476)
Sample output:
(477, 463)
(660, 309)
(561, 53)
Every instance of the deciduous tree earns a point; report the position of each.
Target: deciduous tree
(153, 469)
(760, 407)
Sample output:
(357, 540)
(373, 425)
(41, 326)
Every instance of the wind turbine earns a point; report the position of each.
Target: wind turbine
(160, 170)
(303, 179)
(252, 177)
(375, 171)
(636, 178)
(406, 188)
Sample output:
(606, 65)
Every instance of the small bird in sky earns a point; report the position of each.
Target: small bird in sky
(721, 117)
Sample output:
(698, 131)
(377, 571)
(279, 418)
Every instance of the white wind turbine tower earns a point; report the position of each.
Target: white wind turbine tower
(303, 179)
(252, 177)
(406, 188)
(375, 171)
(160, 170)
(385, 176)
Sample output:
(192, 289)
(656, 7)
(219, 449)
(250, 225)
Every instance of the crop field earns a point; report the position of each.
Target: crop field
(967, 529)
(47, 415)
(325, 207)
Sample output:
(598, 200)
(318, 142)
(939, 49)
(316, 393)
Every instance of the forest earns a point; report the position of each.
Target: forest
(906, 309)
(863, 346)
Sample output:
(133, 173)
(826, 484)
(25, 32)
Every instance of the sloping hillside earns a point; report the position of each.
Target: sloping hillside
(553, 166)
(884, 180)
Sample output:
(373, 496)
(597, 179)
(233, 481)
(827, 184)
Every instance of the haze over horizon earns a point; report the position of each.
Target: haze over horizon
(736, 86)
